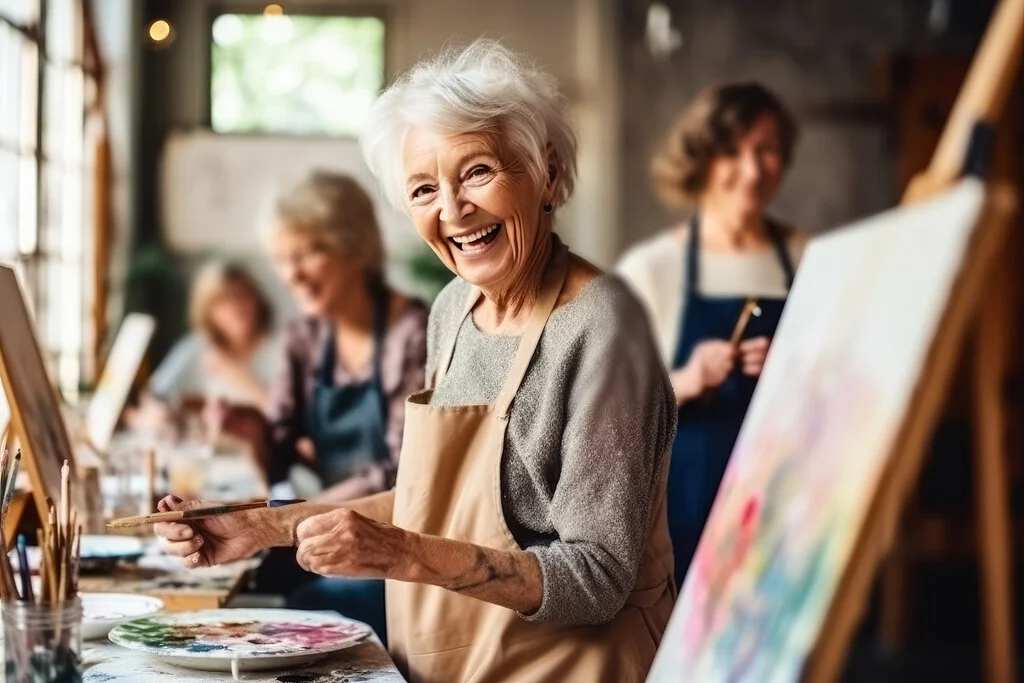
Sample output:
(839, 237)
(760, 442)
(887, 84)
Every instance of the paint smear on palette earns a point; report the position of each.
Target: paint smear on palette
(246, 637)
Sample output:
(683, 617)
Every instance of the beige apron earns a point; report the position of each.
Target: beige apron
(449, 484)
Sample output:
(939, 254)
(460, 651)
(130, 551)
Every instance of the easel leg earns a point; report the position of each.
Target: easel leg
(995, 543)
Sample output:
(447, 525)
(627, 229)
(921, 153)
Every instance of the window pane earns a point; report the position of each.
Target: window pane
(21, 12)
(295, 74)
(10, 86)
(8, 205)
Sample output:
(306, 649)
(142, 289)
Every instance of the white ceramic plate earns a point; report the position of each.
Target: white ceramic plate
(103, 611)
(258, 639)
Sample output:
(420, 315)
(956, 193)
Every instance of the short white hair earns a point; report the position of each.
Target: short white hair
(482, 88)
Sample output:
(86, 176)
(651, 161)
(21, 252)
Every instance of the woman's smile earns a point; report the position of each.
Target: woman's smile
(477, 243)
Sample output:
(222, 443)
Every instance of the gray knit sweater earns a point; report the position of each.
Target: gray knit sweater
(589, 433)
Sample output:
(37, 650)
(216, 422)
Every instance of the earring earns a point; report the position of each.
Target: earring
(548, 208)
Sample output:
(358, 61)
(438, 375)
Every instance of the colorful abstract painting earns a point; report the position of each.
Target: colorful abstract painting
(837, 386)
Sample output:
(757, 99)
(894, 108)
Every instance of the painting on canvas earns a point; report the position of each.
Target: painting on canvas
(836, 388)
(35, 411)
(122, 366)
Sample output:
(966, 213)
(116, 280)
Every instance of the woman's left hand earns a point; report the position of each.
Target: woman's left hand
(752, 354)
(342, 542)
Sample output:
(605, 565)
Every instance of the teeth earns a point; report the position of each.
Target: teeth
(466, 239)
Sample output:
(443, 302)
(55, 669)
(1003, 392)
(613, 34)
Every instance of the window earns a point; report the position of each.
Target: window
(294, 74)
(43, 230)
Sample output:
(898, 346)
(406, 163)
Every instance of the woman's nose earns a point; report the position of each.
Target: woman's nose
(454, 207)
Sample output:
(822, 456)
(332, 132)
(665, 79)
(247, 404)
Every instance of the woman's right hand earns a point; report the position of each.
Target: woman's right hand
(710, 363)
(212, 540)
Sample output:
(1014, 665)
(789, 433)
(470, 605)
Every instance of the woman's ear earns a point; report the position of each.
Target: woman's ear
(554, 179)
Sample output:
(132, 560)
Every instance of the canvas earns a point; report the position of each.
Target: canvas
(836, 389)
(122, 366)
(35, 411)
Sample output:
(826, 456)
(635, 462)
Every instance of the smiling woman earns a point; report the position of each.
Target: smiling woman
(525, 538)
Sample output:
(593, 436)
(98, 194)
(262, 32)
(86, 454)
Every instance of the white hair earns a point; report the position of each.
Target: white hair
(482, 88)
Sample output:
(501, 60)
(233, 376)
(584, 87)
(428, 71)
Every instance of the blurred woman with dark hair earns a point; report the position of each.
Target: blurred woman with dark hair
(724, 160)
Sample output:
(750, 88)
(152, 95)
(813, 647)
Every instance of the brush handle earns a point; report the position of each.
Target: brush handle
(198, 513)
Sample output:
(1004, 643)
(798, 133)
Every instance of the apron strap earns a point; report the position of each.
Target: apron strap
(693, 256)
(781, 251)
(542, 308)
(382, 307)
(446, 360)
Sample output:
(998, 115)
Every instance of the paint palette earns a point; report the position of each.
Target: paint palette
(252, 639)
(103, 611)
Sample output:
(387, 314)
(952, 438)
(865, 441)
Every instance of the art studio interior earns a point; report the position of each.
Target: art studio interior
(530, 341)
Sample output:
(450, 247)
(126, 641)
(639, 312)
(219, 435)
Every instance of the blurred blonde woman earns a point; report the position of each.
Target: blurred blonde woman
(231, 351)
(337, 403)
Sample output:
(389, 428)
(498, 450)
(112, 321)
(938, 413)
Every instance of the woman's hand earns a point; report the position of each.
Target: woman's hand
(752, 355)
(710, 363)
(343, 542)
(212, 540)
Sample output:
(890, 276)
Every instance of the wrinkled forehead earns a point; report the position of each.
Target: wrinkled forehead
(427, 151)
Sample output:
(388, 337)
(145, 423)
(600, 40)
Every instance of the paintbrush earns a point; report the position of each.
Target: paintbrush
(26, 574)
(12, 482)
(5, 458)
(750, 308)
(197, 513)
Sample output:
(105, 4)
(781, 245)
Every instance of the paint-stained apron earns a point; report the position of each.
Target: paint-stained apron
(449, 484)
(708, 427)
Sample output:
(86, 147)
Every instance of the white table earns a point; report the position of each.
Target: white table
(367, 662)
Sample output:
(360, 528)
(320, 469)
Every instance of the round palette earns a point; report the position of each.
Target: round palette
(210, 640)
(103, 611)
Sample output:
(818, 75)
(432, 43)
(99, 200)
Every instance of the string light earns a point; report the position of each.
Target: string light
(159, 30)
(273, 10)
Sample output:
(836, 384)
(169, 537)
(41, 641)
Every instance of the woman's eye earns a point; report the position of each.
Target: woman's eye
(421, 191)
(479, 171)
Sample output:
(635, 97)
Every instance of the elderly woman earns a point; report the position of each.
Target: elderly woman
(525, 539)
(336, 411)
(724, 159)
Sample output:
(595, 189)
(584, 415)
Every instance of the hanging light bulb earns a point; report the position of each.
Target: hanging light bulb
(662, 38)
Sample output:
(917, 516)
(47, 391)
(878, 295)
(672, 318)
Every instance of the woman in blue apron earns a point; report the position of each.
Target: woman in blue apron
(725, 159)
(333, 426)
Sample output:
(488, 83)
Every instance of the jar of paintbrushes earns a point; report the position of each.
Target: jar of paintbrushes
(42, 627)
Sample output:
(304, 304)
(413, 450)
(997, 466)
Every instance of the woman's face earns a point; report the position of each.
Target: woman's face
(745, 179)
(474, 204)
(235, 314)
(317, 273)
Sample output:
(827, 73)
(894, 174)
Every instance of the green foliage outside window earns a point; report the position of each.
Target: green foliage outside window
(309, 75)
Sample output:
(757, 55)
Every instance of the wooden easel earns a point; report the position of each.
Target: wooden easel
(961, 149)
(36, 422)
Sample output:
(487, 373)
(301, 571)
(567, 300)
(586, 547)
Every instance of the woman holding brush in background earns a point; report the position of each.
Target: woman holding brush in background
(724, 159)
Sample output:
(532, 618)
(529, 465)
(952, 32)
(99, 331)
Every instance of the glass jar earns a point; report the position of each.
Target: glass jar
(42, 643)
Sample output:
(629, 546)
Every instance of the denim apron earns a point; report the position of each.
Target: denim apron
(708, 426)
(347, 424)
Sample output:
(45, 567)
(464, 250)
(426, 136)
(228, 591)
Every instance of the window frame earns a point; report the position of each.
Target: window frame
(59, 172)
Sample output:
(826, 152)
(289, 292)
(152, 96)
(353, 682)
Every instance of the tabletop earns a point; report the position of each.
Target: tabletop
(367, 662)
(180, 589)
